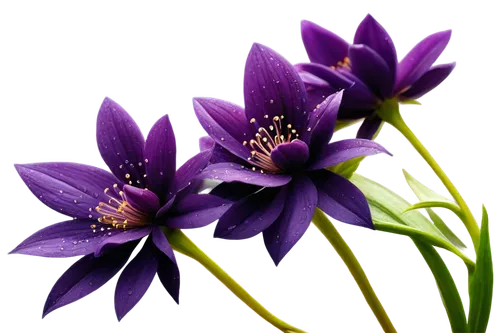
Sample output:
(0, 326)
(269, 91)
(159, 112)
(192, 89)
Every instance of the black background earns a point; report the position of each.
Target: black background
(56, 66)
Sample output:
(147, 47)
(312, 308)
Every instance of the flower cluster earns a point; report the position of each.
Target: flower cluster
(270, 160)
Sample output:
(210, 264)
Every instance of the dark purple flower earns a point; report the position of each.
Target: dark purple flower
(271, 157)
(112, 212)
(368, 70)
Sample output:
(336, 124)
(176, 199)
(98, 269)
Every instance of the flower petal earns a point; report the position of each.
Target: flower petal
(290, 155)
(272, 87)
(322, 46)
(251, 215)
(322, 123)
(159, 153)
(143, 200)
(187, 172)
(340, 199)
(356, 94)
(86, 276)
(196, 210)
(430, 80)
(234, 191)
(369, 127)
(293, 222)
(226, 124)
(231, 172)
(168, 272)
(115, 239)
(69, 188)
(135, 279)
(420, 59)
(64, 239)
(373, 35)
(371, 69)
(169, 275)
(341, 151)
(120, 142)
(317, 90)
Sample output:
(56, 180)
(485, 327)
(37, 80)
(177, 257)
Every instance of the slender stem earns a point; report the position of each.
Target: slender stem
(181, 243)
(326, 227)
(390, 113)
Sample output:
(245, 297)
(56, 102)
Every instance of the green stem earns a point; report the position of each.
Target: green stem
(326, 227)
(389, 112)
(181, 243)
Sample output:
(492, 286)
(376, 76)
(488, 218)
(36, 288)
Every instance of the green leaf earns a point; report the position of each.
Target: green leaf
(481, 282)
(387, 214)
(447, 288)
(410, 101)
(439, 223)
(429, 198)
(346, 169)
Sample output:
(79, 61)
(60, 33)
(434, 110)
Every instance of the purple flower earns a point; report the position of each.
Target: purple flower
(368, 70)
(271, 157)
(112, 212)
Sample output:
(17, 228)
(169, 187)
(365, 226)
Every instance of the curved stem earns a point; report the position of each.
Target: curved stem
(181, 243)
(326, 227)
(390, 114)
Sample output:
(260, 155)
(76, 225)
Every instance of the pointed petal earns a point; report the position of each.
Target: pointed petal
(234, 191)
(143, 200)
(160, 155)
(356, 94)
(169, 275)
(188, 171)
(272, 87)
(226, 124)
(86, 276)
(371, 69)
(196, 210)
(69, 188)
(341, 151)
(120, 141)
(317, 90)
(369, 128)
(290, 155)
(340, 199)
(373, 35)
(322, 46)
(293, 222)
(116, 239)
(65, 239)
(420, 58)
(251, 215)
(333, 77)
(135, 279)
(231, 172)
(322, 123)
(429, 81)
(168, 272)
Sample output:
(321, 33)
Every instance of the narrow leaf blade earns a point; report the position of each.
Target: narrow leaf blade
(426, 196)
(447, 288)
(481, 282)
(439, 223)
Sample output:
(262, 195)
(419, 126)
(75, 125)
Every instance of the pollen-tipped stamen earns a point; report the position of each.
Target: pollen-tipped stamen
(118, 212)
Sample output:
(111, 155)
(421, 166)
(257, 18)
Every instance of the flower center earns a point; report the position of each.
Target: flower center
(118, 212)
(267, 139)
(344, 64)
